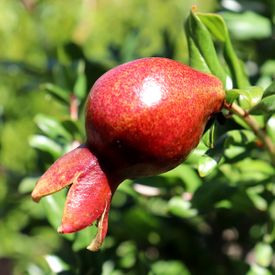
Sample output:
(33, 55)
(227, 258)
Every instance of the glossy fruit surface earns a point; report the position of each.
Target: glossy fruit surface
(142, 118)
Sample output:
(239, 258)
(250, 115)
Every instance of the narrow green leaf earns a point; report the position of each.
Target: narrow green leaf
(215, 24)
(57, 92)
(27, 185)
(268, 68)
(84, 237)
(237, 71)
(51, 127)
(56, 264)
(249, 97)
(46, 144)
(207, 165)
(270, 128)
(266, 106)
(181, 208)
(161, 267)
(196, 60)
(195, 155)
(231, 96)
(259, 202)
(247, 25)
(80, 86)
(239, 137)
(203, 41)
(258, 270)
(270, 90)
(217, 27)
(53, 205)
(263, 254)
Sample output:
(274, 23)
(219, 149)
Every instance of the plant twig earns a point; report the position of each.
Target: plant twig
(255, 127)
(73, 107)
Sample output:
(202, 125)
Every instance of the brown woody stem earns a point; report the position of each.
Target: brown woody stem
(255, 127)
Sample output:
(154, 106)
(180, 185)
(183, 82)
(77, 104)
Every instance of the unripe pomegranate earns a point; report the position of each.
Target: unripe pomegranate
(142, 118)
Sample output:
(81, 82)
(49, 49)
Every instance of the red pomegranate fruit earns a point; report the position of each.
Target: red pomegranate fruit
(142, 118)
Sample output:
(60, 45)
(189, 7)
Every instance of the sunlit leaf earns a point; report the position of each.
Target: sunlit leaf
(181, 208)
(270, 90)
(60, 94)
(80, 86)
(248, 25)
(46, 144)
(53, 206)
(231, 96)
(207, 165)
(203, 42)
(263, 254)
(169, 267)
(266, 105)
(51, 127)
(27, 184)
(270, 128)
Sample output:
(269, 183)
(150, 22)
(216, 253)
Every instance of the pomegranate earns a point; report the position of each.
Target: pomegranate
(142, 118)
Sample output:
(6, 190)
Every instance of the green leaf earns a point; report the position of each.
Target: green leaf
(181, 208)
(189, 176)
(210, 136)
(84, 237)
(215, 24)
(254, 195)
(249, 96)
(270, 128)
(253, 170)
(231, 96)
(203, 41)
(266, 105)
(214, 156)
(56, 264)
(126, 251)
(194, 156)
(60, 94)
(196, 60)
(51, 127)
(168, 267)
(239, 137)
(46, 144)
(27, 184)
(269, 90)
(73, 127)
(263, 254)
(248, 25)
(258, 270)
(210, 193)
(53, 207)
(217, 27)
(207, 165)
(80, 86)
(268, 68)
(255, 94)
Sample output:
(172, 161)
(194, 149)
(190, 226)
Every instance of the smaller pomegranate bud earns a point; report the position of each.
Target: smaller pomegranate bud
(142, 118)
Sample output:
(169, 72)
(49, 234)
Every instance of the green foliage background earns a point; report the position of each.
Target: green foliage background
(222, 223)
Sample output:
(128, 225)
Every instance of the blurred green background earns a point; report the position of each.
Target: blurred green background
(193, 225)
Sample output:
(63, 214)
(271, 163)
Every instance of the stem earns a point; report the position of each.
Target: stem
(255, 127)
(73, 107)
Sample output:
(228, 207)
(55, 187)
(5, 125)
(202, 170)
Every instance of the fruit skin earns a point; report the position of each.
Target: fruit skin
(142, 118)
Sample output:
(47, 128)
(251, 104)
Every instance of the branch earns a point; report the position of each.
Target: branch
(73, 107)
(255, 127)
